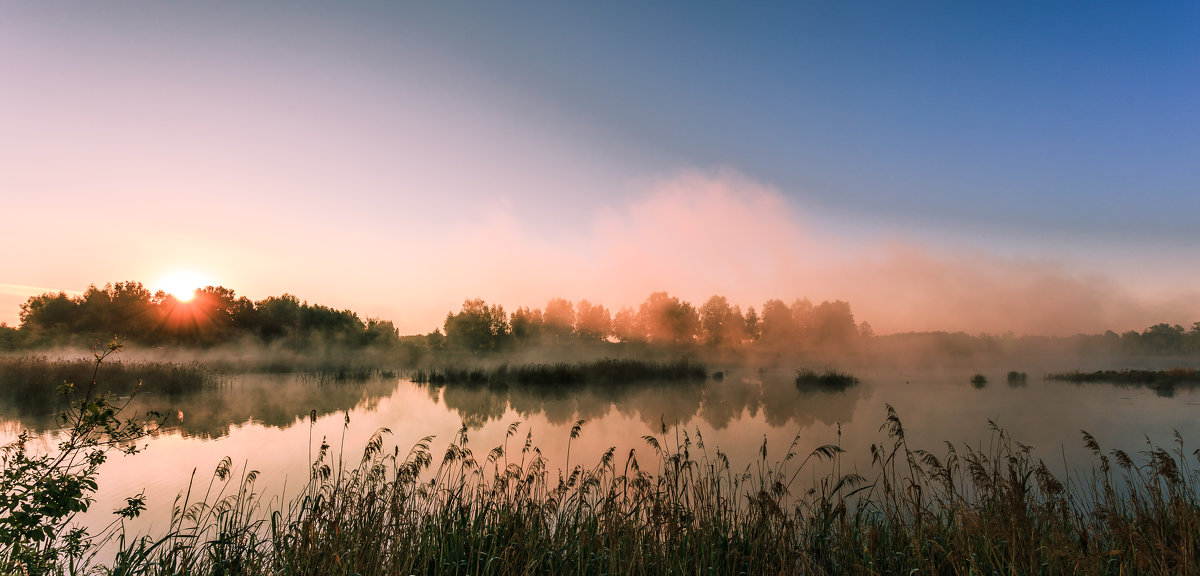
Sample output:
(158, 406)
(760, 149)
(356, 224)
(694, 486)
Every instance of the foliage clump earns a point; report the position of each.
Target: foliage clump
(41, 492)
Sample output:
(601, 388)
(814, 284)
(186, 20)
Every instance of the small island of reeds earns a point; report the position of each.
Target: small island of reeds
(829, 378)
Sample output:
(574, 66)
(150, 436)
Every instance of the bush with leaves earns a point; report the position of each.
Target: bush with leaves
(41, 491)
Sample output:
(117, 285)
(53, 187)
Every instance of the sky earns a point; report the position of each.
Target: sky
(1032, 168)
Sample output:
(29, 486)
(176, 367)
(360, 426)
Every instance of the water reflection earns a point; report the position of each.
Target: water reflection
(770, 396)
(261, 421)
(272, 400)
(717, 403)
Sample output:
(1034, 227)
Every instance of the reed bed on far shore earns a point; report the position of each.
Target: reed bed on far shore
(34, 380)
(1138, 377)
(679, 507)
(604, 371)
(346, 374)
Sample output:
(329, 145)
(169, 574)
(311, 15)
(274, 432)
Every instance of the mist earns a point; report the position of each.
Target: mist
(700, 233)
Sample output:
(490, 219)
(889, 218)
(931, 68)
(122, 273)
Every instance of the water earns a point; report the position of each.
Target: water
(275, 423)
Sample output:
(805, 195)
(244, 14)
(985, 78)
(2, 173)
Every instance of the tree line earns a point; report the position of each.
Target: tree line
(217, 315)
(661, 319)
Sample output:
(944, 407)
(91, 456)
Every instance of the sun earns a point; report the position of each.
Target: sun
(182, 284)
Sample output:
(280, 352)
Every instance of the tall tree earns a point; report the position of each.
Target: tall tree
(559, 320)
(593, 322)
(753, 326)
(477, 327)
(626, 327)
(715, 318)
(832, 325)
(526, 325)
(665, 318)
(777, 323)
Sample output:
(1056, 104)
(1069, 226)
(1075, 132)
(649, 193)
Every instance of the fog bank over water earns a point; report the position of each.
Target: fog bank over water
(701, 233)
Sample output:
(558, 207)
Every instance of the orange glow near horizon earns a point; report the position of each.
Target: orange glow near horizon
(182, 284)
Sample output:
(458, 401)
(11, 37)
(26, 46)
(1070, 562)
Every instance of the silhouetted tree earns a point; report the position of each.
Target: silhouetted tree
(11, 338)
(477, 327)
(559, 320)
(208, 318)
(593, 322)
(96, 314)
(626, 327)
(1161, 339)
(716, 316)
(802, 321)
(865, 330)
(777, 325)
(832, 325)
(214, 315)
(526, 325)
(666, 319)
(753, 326)
(735, 329)
(49, 313)
(341, 326)
(278, 316)
(133, 310)
(381, 333)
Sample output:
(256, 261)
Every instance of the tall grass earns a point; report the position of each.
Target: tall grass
(679, 507)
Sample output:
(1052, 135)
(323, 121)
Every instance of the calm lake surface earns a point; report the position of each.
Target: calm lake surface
(265, 423)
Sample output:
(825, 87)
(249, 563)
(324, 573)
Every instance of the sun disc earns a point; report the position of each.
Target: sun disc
(182, 284)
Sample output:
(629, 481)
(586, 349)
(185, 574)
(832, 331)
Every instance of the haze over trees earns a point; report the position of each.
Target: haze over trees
(218, 316)
(660, 320)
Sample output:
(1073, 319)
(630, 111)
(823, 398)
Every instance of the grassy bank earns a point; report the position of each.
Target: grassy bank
(678, 507)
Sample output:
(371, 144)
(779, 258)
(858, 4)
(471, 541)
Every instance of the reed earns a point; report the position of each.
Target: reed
(679, 507)
(33, 380)
(346, 375)
(831, 379)
(604, 371)
(1150, 378)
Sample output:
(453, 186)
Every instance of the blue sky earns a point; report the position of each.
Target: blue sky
(1023, 116)
(356, 146)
